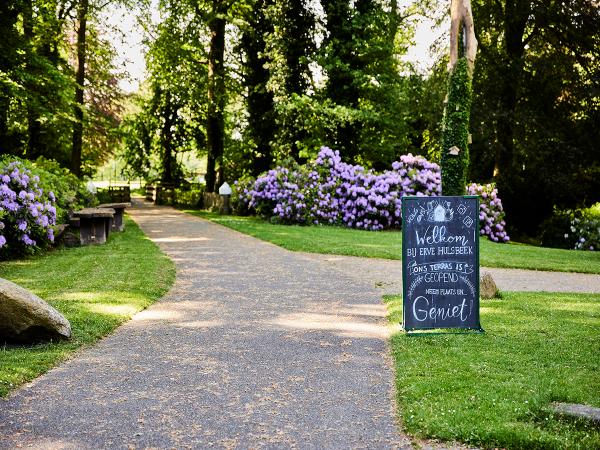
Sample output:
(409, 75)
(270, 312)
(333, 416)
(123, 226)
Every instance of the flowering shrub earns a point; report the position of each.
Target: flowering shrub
(586, 229)
(346, 194)
(27, 214)
(71, 193)
(278, 194)
(491, 213)
(330, 191)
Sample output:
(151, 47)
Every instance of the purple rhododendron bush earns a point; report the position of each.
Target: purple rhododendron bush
(34, 197)
(491, 213)
(329, 191)
(27, 213)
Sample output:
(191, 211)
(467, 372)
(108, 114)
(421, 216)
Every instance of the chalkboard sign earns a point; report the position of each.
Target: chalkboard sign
(440, 262)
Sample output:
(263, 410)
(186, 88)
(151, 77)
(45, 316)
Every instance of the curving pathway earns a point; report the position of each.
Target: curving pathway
(253, 347)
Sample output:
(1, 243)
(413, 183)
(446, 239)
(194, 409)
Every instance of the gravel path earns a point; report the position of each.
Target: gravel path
(253, 347)
(386, 276)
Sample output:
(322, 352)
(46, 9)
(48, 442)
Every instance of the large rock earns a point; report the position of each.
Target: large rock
(24, 317)
(487, 286)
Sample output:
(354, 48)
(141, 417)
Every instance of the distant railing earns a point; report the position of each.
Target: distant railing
(119, 194)
(167, 194)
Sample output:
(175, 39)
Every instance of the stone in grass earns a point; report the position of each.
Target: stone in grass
(26, 318)
(578, 411)
(487, 286)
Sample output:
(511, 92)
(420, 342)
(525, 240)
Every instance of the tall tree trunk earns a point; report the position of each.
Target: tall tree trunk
(455, 136)
(167, 139)
(261, 119)
(462, 34)
(297, 24)
(82, 12)
(8, 62)
(343, 62)
(216, 93)
(514, 46)
(507, 167)
(33, 118)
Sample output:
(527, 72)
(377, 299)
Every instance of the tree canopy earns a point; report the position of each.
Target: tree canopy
(244, 84)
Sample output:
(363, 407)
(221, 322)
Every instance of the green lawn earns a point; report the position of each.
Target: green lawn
(388, 245)
(95, 287)
(493, 389)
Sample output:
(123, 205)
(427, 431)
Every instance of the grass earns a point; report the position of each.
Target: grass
(493, 389)
(96, 287)
(388, 245)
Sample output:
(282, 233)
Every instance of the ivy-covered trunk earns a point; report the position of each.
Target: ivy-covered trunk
(455, 135)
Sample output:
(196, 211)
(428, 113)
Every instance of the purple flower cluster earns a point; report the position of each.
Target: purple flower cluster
(491, 213)
(329, 191)
(278, 194)
(26, 214)
(587, 231)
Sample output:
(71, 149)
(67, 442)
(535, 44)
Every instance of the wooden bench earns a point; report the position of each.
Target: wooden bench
(117, 224)
(94, 224)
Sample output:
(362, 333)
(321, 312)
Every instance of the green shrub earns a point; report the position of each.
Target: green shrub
(189, 197)
(574, 229)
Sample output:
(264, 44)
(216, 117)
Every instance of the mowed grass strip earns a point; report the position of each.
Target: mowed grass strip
(493, 389)
(96, 287)
(388, 245)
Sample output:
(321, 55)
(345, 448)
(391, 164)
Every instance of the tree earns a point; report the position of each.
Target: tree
(535, 116)
(463, 47)
(169, 117)
(38, 89)
(216, 91)
(260, 105)
(82, 17)
(10, 44)
(290, 49)
(364, 93)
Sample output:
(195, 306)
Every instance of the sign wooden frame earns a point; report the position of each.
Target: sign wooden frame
(444, 263)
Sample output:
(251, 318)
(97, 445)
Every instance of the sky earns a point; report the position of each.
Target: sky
(130, 48)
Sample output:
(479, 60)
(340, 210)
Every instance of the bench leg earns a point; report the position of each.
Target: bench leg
(118, 221)
(92, 231)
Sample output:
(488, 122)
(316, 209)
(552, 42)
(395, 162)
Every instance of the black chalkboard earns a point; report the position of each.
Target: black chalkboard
(440, 262)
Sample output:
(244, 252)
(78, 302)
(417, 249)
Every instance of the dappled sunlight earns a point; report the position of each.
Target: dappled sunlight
(181, 239)
(496, 311)
(343, 325)
(120, 310)
(83, 296)
(156, 314)
(58, 443)
(365, 310)
(201, 324)
(109, 298)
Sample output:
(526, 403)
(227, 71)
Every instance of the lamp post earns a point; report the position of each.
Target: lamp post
(225, 193)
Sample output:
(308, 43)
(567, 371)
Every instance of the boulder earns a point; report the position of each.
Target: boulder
(26, 318)
(487, 286)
